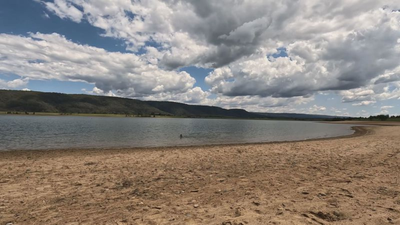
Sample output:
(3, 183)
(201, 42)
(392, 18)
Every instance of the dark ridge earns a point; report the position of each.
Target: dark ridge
(32, 101)
(299, 116)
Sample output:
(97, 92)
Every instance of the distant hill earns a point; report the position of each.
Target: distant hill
(32, 101)
(298, 116)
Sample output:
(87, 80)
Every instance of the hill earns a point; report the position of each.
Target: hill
(32, 101)
(298, 116)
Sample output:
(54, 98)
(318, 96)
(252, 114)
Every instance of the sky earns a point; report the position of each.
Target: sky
(322, 57)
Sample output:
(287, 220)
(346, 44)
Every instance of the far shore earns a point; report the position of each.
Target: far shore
(345, 180)
(367, 123)
(81, 114)
(389, 122)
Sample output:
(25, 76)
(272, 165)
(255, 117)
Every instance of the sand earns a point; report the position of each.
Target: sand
(333, 181)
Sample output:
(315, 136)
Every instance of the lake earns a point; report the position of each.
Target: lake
(61, 132)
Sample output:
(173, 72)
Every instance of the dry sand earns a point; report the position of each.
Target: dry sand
(335, 181)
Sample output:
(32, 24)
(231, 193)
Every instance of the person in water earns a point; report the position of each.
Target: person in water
(181, 136)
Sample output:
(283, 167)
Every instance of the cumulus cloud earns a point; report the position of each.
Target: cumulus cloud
(363, 113)
(14, 84)
(371, 93)
(387, 78)
(339, 45)
(270, 52)
(317, 109)
(385, 109)
(52, 56)
(336, 62)
(260, 104)
(364, 103)
(64, 10)
(98, 91)
(194, 95)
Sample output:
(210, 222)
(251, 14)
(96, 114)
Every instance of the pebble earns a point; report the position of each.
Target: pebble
(196, 206)
(256, 203)
(238, 212)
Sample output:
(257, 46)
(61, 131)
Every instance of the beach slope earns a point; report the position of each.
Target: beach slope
(334, 181)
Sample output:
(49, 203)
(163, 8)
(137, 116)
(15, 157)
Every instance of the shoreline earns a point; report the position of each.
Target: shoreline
(332, 181)
(358, 131)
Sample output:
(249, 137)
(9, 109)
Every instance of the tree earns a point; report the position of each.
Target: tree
(382, 117)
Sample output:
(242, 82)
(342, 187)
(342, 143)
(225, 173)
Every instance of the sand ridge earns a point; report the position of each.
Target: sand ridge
(334, 181)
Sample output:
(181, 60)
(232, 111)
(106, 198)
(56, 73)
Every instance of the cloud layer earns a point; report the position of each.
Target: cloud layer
(51, 56)
(264, 53)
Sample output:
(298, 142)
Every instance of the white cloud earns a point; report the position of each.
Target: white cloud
(363, 113)
(338, 61)
(217, 33)
(97, 91)
(346, 47)
(45, 15)
(372, 93)
(364, 103)
(193, 96)
(51, 56)
(317, 109)
(64, 9)
(14, 84)
(385, 109)
(259, 104)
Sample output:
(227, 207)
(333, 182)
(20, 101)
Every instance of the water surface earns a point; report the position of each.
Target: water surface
(61, 132)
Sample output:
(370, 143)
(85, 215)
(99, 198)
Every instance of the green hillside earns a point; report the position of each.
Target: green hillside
(31, 101)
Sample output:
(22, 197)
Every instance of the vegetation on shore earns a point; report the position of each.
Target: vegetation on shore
(381, 117)
(52, 104)
(40, 103)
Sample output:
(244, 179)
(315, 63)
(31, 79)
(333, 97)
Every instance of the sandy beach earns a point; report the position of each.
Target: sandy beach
(353, 180)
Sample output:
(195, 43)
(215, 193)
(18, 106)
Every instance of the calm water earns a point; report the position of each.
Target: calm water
(46, 132)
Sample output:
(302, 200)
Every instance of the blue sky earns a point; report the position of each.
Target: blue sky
(259, 58)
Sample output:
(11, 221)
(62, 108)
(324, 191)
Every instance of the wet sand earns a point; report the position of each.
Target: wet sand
(332, 181)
